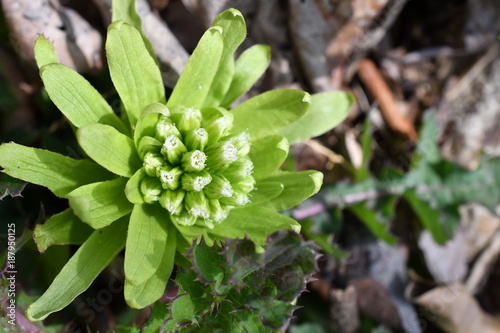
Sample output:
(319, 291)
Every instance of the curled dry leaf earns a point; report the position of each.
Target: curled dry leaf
(455, 310)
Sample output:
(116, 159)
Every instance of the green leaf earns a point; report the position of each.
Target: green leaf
(61, 229)
(268, 154)
(134, 72)
(133, 189)
(58, 173)
(126, 11)
(298, 186)
(44, 52)
(363, 172)
(264, 191)
(111, 149)
(77, 275)
(146, 243)
(327, 110)
(269, 112)
(254, 222)
(249, 67)
(149, 256)
(80, 103)
(100, 204)
(233, 34)
(369, 218)
(196, 79)
(10, 186)
(428, 216)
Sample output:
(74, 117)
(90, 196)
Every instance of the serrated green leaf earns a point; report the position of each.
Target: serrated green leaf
(196, 79)
(111, 149)
(233, 33)
(58, 173)
(61, 229)
(254, 222)
(149, 257)
(11, 186)
(369, 218)
(44, 52)
(80, 103)
(100, 204)
(268, 154)
(249, 67)
(83, 267)
(297, 186)
(126, 11)
(207, 262)
(135, 76)
(269, 112)
(327, 110)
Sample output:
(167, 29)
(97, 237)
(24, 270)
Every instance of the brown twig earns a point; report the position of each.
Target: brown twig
(389, 108)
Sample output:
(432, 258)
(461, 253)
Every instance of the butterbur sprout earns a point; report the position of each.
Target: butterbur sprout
(172, 169)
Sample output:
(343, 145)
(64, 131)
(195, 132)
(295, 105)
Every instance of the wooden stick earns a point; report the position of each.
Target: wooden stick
(371, 77)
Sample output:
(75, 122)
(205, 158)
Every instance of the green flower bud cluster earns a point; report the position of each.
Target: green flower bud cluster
(195, 167)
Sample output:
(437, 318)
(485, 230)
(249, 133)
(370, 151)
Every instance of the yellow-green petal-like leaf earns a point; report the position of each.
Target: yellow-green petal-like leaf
(234, 33)
(327, 110)
(44, 52)
(80, 103)
(267, 155)
(298, 186)
(126, 11)
(254, 222)
(152, 288)
(269, 112)
(146, 242)
(146, 124)
(61, 229)
(100, 204)
(249, 67)
(81, 270)
(132, 188)
(58, 173)
(196, 79)
(134, 72)
(111, 149)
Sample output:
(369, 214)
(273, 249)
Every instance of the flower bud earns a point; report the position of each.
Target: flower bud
(242, 143)
(246, 185)
(196, 139)
(197, 205)
(173, 201)
(148, 144)
(186, 119)
(217, 129)
(195, 181)
(184, 218)
(150, 189)
(241, 168)
(165, 128)
(238, 199)
(221, 156)
(170, 177)
(193, 161)
(218, 188)
(153, 161)
(173, 149)
(217, 212)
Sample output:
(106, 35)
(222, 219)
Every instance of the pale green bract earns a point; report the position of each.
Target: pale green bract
(168, 171)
